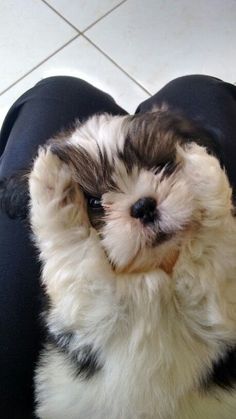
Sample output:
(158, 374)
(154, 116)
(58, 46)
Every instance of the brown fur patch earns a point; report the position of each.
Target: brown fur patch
(93, 175)
(151, 139)
(167, 265)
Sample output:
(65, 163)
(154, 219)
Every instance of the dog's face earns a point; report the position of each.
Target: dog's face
(149, 185)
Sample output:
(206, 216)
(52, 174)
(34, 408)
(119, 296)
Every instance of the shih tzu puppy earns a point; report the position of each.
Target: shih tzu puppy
(133, 219)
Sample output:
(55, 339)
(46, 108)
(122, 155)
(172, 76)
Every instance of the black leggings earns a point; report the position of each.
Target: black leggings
(40, 113)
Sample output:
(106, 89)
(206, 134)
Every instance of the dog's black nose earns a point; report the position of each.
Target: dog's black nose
(145, 209)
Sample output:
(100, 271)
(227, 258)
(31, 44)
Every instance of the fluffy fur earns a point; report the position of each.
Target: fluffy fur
(139, 313)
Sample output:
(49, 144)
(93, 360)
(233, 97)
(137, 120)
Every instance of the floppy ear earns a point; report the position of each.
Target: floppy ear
(191, 130)
(208, 137)
(14, 195)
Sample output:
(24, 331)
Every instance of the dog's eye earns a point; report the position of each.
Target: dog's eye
(94, 203)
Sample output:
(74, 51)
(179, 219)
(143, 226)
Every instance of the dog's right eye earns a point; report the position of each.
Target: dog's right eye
(94, 203)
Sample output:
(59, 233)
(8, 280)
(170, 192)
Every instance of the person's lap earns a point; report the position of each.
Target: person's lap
(39, 114)
(52, 105)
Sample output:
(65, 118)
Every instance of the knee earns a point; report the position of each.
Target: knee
(194, 80)
(62, 85)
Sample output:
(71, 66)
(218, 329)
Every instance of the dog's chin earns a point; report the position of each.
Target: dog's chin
(160, 253)
(138, 265)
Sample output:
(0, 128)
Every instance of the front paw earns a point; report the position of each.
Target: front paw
(54, 191)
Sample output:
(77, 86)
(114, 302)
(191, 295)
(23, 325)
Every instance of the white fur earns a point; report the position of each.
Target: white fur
(157, 332)
(100, 132)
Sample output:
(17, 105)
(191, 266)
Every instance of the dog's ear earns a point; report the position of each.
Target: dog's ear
(14, 195)
(200, 133)
(209, 137)
(188, 129)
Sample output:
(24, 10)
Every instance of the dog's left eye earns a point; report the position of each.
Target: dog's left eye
(94, 203)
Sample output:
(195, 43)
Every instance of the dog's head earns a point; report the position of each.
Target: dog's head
(150, 184)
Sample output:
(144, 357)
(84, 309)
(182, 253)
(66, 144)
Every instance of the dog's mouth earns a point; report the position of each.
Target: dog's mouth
(162, 237)
(154, 236)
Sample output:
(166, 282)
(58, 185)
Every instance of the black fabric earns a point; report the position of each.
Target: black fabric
(40, 113)
(52, 105)
(212, 103)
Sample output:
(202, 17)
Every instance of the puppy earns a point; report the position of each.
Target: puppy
(133, 220)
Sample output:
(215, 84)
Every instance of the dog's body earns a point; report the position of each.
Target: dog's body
(142, 302)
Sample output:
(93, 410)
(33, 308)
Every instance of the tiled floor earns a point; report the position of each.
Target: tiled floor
(128, 48)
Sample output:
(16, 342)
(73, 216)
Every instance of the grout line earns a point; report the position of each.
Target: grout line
(117, 65)
(88, 27)
(61, 16)
(92, 43)
(106, 14)
(38, 65)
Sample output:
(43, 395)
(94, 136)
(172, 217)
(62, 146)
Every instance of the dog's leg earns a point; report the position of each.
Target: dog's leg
(78, 281)
(75, 268)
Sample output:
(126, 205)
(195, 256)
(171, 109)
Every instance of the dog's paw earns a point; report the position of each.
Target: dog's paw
(52, 187)
(50, 177)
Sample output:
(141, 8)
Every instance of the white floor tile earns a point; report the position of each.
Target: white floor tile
(30, 32)
(82, 13)
(156, 41)
(81, 59)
